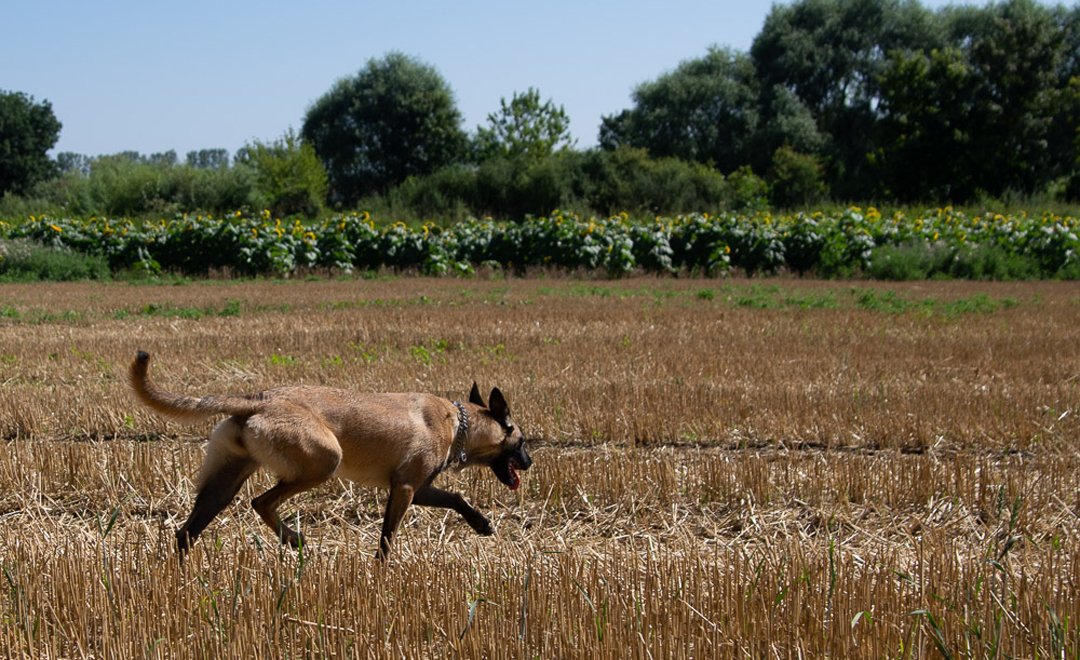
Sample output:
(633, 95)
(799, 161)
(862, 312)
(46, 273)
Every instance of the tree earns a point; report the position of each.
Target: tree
(706, 110)
(1065, 134)
(929, 104)
(1068, 125)
(288, 174)
(795, 179)
(1016, 56)
(828, 55)
(163, 158)
(786, 122)
(524, 128)
(208, 159)
(27, 131)
(976, 118)
(394, 119)
(69, 161)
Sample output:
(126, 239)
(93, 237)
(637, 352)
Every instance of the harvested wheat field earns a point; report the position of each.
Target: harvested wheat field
(722, 469)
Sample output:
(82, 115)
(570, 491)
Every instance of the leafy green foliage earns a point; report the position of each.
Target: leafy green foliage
(603, 182)
(23, 261)
(290, 176)
(1015, 50)
(128, 184)
(829, 55)
(926, 104)
(989, 103)
(796, 179)
(524, 128)
(895, 101)
(27, 131)
(704, 111)
(208, 159)
(846, 244)
(394, 119)
(747, 191)
(626, 178)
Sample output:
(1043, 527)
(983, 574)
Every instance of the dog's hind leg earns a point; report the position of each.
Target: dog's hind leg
(224, 470)
(436, 497)
(216, 494)
(266, 505)
(302, 460)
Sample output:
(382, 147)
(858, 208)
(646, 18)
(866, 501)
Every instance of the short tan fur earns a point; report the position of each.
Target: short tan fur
(307, 434)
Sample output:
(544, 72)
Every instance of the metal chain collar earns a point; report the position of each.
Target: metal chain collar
(457, 449)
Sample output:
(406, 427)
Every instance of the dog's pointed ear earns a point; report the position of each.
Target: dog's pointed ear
(499, 410)
(474, 396)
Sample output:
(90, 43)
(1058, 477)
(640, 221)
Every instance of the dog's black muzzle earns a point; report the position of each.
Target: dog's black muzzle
(506, 466)
(522, 458)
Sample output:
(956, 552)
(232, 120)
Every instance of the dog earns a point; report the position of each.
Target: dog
(307, 434)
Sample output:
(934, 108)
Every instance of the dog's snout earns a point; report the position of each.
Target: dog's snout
(524, 461)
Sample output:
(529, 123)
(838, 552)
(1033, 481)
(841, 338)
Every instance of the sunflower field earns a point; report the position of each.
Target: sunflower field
(939, 242)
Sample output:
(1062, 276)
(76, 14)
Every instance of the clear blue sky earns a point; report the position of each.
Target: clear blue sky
(153, 76)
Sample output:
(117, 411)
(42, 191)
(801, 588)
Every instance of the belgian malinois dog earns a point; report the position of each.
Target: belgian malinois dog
(307, 434)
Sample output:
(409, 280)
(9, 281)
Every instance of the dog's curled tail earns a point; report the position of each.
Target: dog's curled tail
(181, 407)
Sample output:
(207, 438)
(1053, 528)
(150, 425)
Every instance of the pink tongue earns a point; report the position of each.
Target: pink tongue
(515, 480)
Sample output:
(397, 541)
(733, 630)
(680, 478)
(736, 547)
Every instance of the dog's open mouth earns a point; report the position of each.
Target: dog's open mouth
(506, 469)
(515, 480)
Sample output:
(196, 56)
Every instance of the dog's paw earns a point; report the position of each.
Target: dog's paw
(183, 542)
(293, 539)
(483, 527)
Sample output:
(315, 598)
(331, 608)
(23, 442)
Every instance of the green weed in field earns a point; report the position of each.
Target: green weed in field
(365, 353)
(280, 360)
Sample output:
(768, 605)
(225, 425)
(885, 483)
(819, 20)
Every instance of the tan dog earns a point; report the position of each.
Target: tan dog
(306, 434)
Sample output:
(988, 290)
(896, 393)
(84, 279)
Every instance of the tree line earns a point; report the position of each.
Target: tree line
(890, 99)
(846, 99)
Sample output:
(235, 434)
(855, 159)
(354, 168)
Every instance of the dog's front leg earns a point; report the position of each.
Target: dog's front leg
(431, 496)
(401, 496)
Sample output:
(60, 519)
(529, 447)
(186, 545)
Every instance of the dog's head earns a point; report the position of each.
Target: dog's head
(504, 444)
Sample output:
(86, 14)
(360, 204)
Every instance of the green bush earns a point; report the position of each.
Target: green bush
(1072, 188)
(597, 182)
(289, 176)
(920, 261)
(14, 206)
(24, 261)
(747, 191)
(126, 185)
(908, 262)
(449, 193)
(627, 179)
(992, 262)
(508, 187)
(796, 179)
